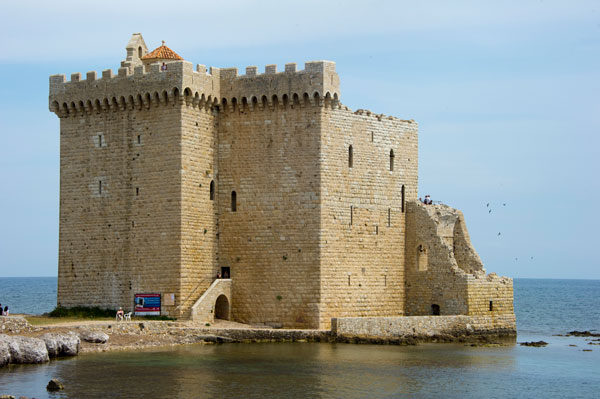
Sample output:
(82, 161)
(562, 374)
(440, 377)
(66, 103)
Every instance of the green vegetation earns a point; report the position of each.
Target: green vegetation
(82, 312)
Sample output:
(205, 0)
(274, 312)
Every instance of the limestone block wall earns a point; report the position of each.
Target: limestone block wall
(270, 157)
(204, 308)
(491, 294)
(443, 270)
(362, 212)
(120, 205)
(423, 326)
(199, 210)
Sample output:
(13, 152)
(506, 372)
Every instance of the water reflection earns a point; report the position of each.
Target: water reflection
(261, 370)
(312, 370)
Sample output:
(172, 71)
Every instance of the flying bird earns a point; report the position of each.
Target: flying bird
(490, 211)
(488, 205)
(504, 204)
(498, 234)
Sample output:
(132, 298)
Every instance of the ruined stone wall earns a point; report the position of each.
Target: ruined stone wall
(122, 238)
(270, 157)
(444, 269)
(362, 216)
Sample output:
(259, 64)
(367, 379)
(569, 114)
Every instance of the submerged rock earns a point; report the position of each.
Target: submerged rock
(97, 337)
(55, 385)
(582, 334)
(534, 343)
(25, 349)
(62, 344)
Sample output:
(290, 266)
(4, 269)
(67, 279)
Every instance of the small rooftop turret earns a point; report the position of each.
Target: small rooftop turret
(136, 49)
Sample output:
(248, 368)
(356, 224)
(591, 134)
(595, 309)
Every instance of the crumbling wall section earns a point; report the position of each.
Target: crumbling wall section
(444, 274)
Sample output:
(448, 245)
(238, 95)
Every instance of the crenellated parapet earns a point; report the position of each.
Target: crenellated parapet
(146, 87)
(318, 83)
(149, 86)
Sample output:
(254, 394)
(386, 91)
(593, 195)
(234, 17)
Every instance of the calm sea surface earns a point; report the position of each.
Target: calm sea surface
(300, 370)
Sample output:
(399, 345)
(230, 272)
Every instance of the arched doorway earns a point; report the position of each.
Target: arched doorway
(222, 308)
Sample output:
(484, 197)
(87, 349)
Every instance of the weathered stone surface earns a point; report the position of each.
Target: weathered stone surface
(445, 328)
(61, 344)
(97, 337)
(4, 352)
(7, 397)
(25, 349)
(54, 385)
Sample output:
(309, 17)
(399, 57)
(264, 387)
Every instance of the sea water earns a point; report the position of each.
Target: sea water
(544, 308)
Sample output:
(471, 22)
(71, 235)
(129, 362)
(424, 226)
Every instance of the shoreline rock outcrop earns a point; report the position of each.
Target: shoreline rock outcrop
(25, 349)
(62, 344)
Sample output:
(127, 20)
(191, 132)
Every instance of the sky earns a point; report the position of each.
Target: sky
(506, 94)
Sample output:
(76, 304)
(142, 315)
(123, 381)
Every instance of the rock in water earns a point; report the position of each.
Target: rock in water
(97, 337)
(25, 349)
(534, 343)
(7, 397)
(55, 385)
(61, 344)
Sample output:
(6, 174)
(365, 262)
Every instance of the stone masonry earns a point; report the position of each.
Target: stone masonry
(170, 174)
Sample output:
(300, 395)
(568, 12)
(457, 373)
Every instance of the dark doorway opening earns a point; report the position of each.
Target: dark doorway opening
(225, 272)
(222, 308)
(435, 310)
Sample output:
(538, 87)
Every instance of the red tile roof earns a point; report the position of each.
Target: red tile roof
(163, 53)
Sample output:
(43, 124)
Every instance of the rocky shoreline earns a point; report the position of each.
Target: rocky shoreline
(70, 339)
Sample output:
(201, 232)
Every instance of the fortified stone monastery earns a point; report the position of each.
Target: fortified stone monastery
(170, 174)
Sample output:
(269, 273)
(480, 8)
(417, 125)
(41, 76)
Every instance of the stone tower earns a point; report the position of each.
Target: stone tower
(171, 174)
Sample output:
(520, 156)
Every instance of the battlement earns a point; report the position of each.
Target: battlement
(146, 86)
(318, 80)
(149, 85)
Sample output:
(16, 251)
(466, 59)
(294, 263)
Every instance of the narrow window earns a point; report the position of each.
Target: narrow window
(389, 217)
(391, 160)
(435, 310)
(351, 212)
(491, 306)
(233, 201)
(372, 137)
(99, 140)
(212, 190)
(140, 52)
(139, 139)
(402, 193)
(132, 223)
(99, 186)
(376, 230)
(350, 157)
(137, 191)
